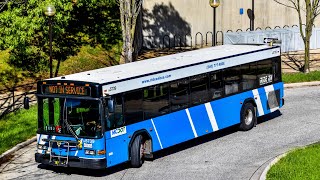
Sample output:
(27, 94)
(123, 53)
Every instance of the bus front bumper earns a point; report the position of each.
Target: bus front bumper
(73, 162)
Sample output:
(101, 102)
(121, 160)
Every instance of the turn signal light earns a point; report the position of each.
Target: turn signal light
(101, 152)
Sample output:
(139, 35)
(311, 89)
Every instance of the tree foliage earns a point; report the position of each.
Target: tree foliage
(24, 30)
(307, 11)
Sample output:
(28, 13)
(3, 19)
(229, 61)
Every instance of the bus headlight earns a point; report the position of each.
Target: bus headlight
(90, 152)
(42, 147)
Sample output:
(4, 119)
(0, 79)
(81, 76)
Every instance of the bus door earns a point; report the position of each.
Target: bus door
(117, 139)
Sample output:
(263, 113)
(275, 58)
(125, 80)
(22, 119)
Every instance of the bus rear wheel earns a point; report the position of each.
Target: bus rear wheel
(247, 116)
(137, 150)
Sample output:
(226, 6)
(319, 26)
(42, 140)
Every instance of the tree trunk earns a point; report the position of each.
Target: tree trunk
(306, 54)
(308, 33)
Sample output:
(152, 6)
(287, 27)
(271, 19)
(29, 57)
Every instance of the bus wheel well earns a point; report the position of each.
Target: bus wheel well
(250, 100)
(147, 142)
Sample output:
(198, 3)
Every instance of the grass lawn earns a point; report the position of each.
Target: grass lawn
(299, 164)
(17, 127)
(301, 77)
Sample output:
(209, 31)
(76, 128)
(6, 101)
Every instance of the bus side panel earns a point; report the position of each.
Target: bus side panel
(180, 129)
(118, 147)
(200, 120)
(270, 98)
(227, 110)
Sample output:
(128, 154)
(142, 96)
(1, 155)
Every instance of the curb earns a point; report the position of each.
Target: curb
(8, 154)
(303, 84)
(274, 161)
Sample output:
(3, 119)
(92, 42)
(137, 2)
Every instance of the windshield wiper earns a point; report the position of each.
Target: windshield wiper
(64, 118)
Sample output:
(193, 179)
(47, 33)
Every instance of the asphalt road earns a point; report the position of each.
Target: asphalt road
(227, 154)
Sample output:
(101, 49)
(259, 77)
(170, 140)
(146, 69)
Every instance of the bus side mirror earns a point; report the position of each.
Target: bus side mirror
(26, 102)
(111, 105)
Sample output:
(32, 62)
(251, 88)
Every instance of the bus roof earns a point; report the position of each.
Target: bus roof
(160, 64)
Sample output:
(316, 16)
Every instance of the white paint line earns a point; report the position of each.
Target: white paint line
(211, 116)
(191, 123)
(155, 129)
(258, 101)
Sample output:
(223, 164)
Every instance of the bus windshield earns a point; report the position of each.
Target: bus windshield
(67, 116)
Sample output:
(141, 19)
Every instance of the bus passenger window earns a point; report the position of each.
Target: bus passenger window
(265, 67)
(179, 95)
(232, 80)
(199, 89)
(249, 77)
(156, 101)
(133, 108)
(216, 89)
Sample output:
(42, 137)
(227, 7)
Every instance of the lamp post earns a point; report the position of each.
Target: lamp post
(252, 18)
(214, 4)
(50, 11)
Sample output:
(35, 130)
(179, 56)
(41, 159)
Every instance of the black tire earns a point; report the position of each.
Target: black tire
(247, 116)
(136, 155)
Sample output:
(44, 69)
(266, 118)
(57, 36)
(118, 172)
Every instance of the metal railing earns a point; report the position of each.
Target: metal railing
(11, 99)
(187, 41)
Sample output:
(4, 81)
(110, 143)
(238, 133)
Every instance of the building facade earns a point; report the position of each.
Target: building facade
(188, 22)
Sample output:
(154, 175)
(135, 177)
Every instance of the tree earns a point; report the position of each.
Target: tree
(311, 10)
(24, 30)
(129, 11)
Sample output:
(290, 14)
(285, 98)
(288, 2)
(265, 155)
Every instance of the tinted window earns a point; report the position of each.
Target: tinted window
(115, 119)
(248, 76)
(277, 68)
(133, 107)
(199, 89)
(156, 101)
(179, 95)
(216, 86)
(264, 72)
(232, 80)
(264, 67)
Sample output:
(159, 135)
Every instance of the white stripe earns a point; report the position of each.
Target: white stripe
(191, 123)
(270, 89)
(211, 116)
(155, 129)
(258, 101)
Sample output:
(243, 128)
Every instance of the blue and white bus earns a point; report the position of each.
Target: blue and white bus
(104, 117)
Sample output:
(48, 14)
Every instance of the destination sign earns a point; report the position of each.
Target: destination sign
(66, 89)
(265, 79)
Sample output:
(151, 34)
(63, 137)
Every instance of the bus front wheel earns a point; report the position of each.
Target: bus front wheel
(247, 116)
(137, 152)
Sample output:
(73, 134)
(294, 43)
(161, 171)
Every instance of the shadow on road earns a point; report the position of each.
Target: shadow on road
(159, 154)
(85, 172)
(269, 117)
